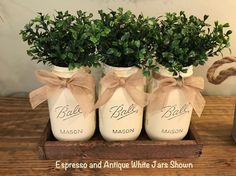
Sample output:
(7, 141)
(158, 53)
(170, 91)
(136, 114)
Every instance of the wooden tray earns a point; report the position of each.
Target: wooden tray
(143, 148)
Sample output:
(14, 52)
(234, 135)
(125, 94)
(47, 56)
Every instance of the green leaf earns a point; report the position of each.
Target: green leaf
(47, 17)
(63, 56)
(71, 66)
(59, 24)
(125, 36)
(205, 17)
(117, 53)
(167, 55)
(192, 54)
(141, 56)
(226, 25)
(81, 49)
(166, 41)
(110, 51)
(146, 73)
(114, 43)
(93, 39)
(143, 51)
(128, 51)
(107, 31)
(84, 36)
(150, 61)
(181, 13)
(74, 33)
(137, 43)
(78, 65)
(70, 55)
(228, 32)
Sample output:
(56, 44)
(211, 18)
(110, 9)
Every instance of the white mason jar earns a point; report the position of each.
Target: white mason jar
(120, 118)
(170, 122)
(67, 120)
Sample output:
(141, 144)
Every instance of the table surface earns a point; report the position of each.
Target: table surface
(21, 128)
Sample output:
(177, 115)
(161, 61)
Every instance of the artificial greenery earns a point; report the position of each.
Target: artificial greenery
(182, 41)
(124, 39)
(65, 40)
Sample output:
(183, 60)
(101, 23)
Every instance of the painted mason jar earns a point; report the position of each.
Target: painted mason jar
(170, 121)
(68, 122)
(120, 118)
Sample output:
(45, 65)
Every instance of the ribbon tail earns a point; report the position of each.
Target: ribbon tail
(139, 97)
(38, 96)
(196, 99)
(104, 97)
(84, 99)
(199, 104)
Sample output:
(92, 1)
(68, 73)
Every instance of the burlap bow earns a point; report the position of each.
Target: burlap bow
(80, 84)
(111, 82)
(191, 87)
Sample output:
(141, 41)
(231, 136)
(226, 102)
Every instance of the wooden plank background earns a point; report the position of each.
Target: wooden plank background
(21, 128)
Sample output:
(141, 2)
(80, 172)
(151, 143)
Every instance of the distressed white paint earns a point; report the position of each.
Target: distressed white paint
(68, 122)
(170, 122)
(120, 118)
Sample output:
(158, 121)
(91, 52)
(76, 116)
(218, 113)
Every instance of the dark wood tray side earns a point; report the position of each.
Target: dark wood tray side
(45, 136)
(142, 148)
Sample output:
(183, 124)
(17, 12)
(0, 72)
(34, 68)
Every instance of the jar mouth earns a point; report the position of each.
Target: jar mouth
(118, 68)
(165, 72)
(64, 72)
(120, 71)
(63, 69)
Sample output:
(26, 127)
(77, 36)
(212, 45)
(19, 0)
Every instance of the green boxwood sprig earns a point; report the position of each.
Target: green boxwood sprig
(182, 41)
(65, 40)
(125, 39)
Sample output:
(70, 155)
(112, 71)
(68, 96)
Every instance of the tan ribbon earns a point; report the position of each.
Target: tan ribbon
(111, 82)
(81, 85)
(191, 87)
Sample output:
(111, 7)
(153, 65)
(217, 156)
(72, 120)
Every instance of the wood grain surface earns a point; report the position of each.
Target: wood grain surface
(21, 128)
